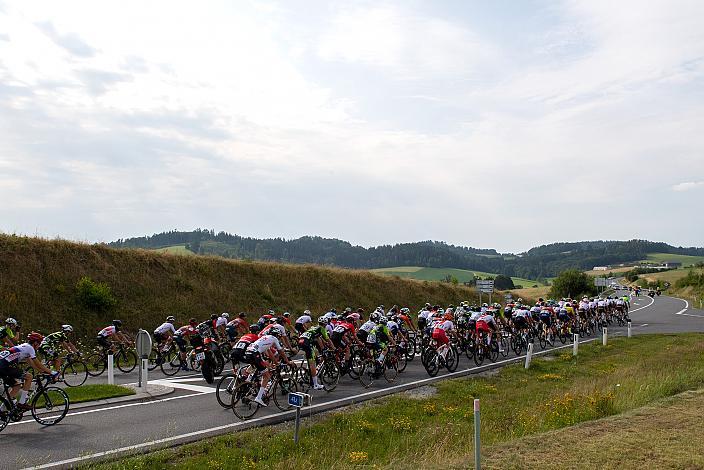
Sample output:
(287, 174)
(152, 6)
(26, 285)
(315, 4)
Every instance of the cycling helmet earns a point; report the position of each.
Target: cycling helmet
(270, 312)
(348, 310)
(286, 314)
(193, 322)
(117, 323)
(170, 319)
(374, 316)
(272, 320)
(322, 321)
(382, 319)
(11, 321)
(273, 332)
(225, 315)
(242, 315)
(214, 316)
(66, 328)
(306, 312)
(34, 337)
(333, 310)
(254, 328)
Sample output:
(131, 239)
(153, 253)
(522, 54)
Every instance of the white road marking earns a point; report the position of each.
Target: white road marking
(645, 324)
(686, 307)
(191, 387)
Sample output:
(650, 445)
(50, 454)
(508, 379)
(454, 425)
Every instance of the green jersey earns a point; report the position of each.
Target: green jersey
(315, 333)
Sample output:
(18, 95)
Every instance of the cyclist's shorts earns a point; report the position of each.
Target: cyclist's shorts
(307, 348)
(483, 326)
(440, 336)
(422, 323)
(180, 342)
(520, 322)
(337, 340)
(255, 359)
(237, 355)
(300, 328)
(158, 337)
(10, 374)
(231, 332)
(547, 319)
(362, 335)
(564, 317)
(103, 342)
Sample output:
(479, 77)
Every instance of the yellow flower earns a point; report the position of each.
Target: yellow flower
(356, 457)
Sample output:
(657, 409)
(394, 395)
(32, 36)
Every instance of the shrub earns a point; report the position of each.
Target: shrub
(94, 295)
(572, 283)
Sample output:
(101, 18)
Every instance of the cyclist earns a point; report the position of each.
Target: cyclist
(11, 371)
(316, 336)
(165, 331)
(7, 332)
(277, 323)
(236, 327)
(221, 323)
(440, 330)
(344, 334)
(379, 338)
(303, 322)
(254, 356)
(51, 344)
(367, 327)
(405, 317)
(240, 347)
(487, 324)
(182, 334)
(108, 335)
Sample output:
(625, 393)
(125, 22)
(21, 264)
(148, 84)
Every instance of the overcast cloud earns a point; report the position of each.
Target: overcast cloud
(489, 124)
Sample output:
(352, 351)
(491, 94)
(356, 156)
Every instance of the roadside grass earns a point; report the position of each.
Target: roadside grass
(529, 294)
(92, 392)
(403, 432)
(437, 274)
(664, 435)
(604, 273)
(686, 260)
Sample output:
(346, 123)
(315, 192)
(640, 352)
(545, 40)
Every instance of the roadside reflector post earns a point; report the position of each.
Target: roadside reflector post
(477, 435)
(529, 355)
(111, 370)
(629, 329)
(143, 343)
(604, 336)
(575, 346)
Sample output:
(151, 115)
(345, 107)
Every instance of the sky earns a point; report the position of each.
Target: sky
(494, 124)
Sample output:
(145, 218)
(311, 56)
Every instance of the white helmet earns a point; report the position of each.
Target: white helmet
(11, 321)
(225, 315)
(67, 328)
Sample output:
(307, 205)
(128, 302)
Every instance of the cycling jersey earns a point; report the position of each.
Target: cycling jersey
(220, 321)
(6, 332)
(108, 331)
(238, 322)
(17, 354)
(53, 340)
(474, 316)
(315, 333)
(303, 319)
(392, 326)
(275, 326)
(165, 327)
(185, 331)
(265, 343)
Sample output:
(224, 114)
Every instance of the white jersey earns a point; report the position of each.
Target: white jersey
(303, 319)
(368, 326)
(446, 325)
(18, 353)
(475, 316)
(221, 321)
(522, 313)
(275, 326)
(164, 327)
(424, 314)
(330, 315)
(265, 343)
(107, 331)
(487, 318)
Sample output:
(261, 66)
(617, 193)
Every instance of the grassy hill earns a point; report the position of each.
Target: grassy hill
(39, 279)
(686, 260)
(437, 274)
(175, 250)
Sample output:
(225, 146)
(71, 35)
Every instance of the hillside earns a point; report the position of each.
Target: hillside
(39, 277)
(537, 263)
(437, 274)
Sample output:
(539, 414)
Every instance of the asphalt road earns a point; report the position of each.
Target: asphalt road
(192, 413)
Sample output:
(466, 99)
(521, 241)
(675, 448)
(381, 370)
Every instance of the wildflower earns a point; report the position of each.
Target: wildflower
(356, 457)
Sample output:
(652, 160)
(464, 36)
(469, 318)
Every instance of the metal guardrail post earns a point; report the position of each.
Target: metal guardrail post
(111, 370)
(575, 346)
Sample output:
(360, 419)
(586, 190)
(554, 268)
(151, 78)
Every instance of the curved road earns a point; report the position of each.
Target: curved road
(192, 413)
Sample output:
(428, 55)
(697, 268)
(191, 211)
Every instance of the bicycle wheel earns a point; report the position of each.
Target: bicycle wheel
(97, 363)
(542, 340)
(155, 359)
(170, 362)
(281, 389)
(390, 368)
(366, 375)
(50, 406)
(329, 375)
(432, 366)
(303, 379)
(243, 404)
(74, 373)
(410, 350)
(452, 359)
(493, 351)
(479, 354)
(224, 389)
(4, 414)
(504, 347)
(126, 360)
(469, 349)
(401, 362)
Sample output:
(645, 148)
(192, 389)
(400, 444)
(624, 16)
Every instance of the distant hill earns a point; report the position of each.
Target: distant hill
(537, 263)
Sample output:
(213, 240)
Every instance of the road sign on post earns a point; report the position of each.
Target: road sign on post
(485, 286)
(297, 400)
(144, 348)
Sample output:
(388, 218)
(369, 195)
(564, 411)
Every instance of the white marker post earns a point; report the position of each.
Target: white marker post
(575, 346)
(604, 336)
(629, 329)
(111, 370)
(477, 435)
(529, 355)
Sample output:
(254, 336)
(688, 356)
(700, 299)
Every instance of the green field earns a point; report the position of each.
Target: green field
(437, 274)
(684, 259)
(175, 250)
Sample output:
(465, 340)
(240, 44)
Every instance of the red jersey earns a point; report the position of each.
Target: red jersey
(186, 331)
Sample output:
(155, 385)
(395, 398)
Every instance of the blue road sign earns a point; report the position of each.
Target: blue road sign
(295, 399)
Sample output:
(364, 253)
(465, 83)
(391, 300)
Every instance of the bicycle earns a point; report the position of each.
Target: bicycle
(74, 372)
(282, 383)
(125, 359)
(49, 405)
(166, 357)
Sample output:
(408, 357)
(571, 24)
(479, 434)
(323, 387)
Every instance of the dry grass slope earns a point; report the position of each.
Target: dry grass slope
(38, 278)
